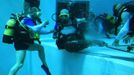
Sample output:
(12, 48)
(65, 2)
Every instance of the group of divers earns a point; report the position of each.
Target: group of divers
(71, 33)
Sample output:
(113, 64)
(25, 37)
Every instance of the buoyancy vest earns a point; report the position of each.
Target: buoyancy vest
(30, 22)
(14, 32)
(72, 25)
(66, 41)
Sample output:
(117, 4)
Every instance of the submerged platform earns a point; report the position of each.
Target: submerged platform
(90, 61)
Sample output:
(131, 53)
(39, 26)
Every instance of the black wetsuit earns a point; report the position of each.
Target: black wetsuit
(22, 37)
(72, 42)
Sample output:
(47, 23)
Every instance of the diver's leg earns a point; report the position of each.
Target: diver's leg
(42, 57)
(41, 54)
(20, 56)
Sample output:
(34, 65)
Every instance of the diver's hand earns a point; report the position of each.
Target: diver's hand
(127, 40)
(99, 43)
(115, 43)
(102, 43)
(45, 23)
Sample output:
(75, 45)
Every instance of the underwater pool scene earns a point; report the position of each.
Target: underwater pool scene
(67, 37)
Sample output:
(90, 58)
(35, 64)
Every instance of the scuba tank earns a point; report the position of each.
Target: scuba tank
(9, 31)
(14, 30)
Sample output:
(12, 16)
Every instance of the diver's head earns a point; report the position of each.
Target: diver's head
(111, 19)
(35, 12)
(64, 15)
(118, 8)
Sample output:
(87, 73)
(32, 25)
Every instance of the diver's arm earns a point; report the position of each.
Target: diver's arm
(43, 31)
(125, 22)
(93, 42)
(123, 32)
(37, 28)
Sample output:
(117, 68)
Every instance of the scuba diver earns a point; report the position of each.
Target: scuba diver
(69, 36)
(20, 31)
(125, 19)
(105, 24)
